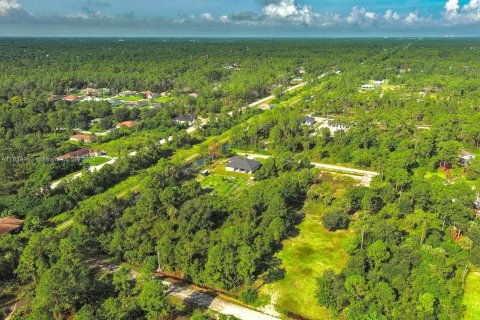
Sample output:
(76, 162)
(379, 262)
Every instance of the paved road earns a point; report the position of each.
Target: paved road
(219, 305)
(194, 296)
(259, 102)
(362, 175)
(78, 175)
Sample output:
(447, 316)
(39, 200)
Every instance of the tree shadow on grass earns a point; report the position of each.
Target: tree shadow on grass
(275, 273)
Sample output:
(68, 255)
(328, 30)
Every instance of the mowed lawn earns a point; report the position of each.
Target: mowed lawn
(304, 258)
(471, 298)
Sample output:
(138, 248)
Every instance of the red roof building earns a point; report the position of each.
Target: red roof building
(82, 138)
(10, 224)
(80, 154)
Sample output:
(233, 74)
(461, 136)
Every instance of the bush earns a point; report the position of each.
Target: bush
(335, 220)
(249, 296)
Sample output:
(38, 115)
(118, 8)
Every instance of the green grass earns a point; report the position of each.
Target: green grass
(131, 142)
(304, 258)
(96, 161)
(162, 99)
(62, 217)
(130, 98)
(472, 296)
(224, 185)
(65, 225)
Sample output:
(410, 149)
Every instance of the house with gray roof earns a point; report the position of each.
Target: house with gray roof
(309, 121)
(184, 118)
(242, 165)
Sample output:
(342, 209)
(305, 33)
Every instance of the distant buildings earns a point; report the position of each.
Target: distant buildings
(82, 138)
(128, 124)
(184, 119)
(150, 95)
(114, 102)
(136, 104)
(127, 93)
(373, 84)
(72, 98)
(309, 121)
(466, 157)
(80, 154)
(89, 91)
(242, 165)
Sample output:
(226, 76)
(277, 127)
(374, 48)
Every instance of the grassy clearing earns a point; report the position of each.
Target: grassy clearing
(304, 258)
(224, 185)
(162, 99)
(130, 98)
(96, 161)
(471, 299)
(132, 142)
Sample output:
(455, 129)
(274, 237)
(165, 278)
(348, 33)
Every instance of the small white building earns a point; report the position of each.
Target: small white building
(466, 157)
(184, 119)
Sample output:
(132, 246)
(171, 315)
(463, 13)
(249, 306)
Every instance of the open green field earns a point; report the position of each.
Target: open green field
(304, 258)
(472, 296)
(224, 183)
(130, 98)
(96, 161)
(163, 99)
(132, 142)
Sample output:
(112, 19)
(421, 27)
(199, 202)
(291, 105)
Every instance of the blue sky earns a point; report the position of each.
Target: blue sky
(293, 18)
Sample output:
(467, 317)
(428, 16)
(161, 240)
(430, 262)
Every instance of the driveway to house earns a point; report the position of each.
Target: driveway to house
(364, 176)
(194, 296)
(55, 184)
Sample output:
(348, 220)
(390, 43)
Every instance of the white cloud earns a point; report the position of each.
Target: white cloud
(8, 5)
(289, 10)
(451, 9)
(286, 15)
(207, 17)
(472, 5)
(390, 15)
(361, 16)
(224, 18)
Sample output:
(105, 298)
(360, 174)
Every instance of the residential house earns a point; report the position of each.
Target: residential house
(114, 102)
(72, 98)
(136, 104)
(89, 91)
(82, 138)
(128, 93)
(368, 87)
(242, 165)
(193, 95)
(80, 154)
(466, 157)
(10, 225)
(309, 121)
(150, 95)
(128, 124)
(184, 119)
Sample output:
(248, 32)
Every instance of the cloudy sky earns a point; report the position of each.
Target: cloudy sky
(246, 18)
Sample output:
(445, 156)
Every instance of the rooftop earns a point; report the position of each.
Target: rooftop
(9, 224)
(238, 162)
